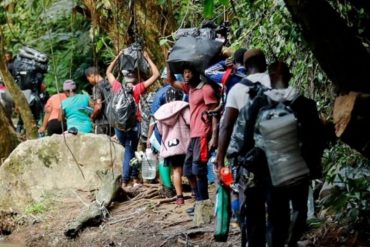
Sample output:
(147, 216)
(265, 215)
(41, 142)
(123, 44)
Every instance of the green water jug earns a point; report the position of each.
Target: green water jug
(222, 213)
(165, 174)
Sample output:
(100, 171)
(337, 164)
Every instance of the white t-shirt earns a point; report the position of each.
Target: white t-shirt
(239, 96)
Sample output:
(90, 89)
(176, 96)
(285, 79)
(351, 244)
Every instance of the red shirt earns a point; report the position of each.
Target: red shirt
(138, 90)
(200, 100)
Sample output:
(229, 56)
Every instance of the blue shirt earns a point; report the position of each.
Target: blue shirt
(159, 99)
(217, 71)
(76, 112)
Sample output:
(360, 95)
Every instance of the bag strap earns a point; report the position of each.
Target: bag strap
(226, 76)
(247, 82)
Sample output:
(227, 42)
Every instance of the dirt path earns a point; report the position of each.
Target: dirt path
(138, 222)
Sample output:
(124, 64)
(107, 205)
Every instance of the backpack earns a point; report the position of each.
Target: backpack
(276, 133)
(303, 135)
(121, 109)
(105, 89)
(257, 140)
(242, 139)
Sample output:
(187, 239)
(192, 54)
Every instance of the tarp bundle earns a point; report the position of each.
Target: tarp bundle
(30, 66)
(133, 59)
(121, 109)
(195, 48)
(206, 33)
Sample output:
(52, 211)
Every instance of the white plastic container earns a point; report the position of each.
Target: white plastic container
(148, 165)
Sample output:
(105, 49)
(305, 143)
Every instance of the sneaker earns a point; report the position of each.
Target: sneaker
(180, 201)
(190, 211)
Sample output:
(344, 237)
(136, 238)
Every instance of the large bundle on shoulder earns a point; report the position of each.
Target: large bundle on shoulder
(132, 60)
(195, 47)
(121, 109)
(30, 66)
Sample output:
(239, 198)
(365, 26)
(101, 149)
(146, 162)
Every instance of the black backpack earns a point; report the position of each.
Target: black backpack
(121, 109)
(105, 88)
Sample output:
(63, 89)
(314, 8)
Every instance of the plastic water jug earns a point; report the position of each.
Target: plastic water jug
(148, 165)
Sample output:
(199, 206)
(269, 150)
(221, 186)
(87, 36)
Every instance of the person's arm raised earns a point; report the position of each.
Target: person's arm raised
(154, 69)
(111, 78)
(171, 79)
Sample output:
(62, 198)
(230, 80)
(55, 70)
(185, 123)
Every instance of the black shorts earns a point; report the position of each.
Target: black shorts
(175, 161)
(196, 157)
(55, 127)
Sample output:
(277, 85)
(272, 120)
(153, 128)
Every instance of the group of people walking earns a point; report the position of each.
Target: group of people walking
(196, 113)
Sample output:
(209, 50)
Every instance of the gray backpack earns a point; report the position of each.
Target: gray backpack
(276, 132)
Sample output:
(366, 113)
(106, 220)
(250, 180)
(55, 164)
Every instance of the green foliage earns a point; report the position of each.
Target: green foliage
(349, 172)
(44, 204)
(2, 16)
(36, 208)
(209, 6)
(68, 38)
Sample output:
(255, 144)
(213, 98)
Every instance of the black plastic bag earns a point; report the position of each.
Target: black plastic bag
(196, 52)
(133, 59)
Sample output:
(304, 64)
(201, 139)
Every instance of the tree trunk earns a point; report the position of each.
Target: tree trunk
(352, 121)
(17, 95)
(8, 136)
(338, 50)
(95, 213)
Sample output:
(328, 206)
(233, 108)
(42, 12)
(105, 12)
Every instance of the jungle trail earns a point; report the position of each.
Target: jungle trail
(217, 146)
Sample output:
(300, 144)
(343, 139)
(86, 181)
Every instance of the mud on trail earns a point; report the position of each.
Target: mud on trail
(145, 220)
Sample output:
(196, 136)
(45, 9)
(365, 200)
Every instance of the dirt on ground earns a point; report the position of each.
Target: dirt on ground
(141, 221)
(146, 220)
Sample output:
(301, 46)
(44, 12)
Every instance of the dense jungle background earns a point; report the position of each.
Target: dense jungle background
(325, 42)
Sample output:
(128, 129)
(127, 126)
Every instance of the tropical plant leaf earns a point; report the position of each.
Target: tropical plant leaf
(209, 6)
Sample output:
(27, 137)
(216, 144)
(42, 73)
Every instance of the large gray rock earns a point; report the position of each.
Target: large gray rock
(46, 166)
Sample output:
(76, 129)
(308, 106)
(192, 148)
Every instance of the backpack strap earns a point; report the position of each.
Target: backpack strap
(255, 88)
(247, 82)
